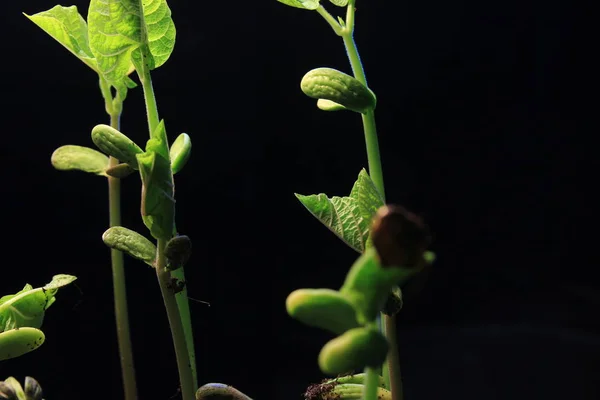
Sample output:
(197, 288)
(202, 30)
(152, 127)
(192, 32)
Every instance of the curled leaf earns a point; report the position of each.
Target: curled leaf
(180, 152)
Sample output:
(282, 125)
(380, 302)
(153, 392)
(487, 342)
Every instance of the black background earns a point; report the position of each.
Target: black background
(479, 133)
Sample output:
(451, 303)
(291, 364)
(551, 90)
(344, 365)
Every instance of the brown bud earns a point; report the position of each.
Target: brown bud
(399, 236)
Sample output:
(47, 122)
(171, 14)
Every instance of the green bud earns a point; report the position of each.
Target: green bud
(322, 308)
(354, 350)
(180, 152)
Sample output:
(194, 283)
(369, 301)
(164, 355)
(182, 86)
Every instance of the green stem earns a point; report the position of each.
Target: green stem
(391, 372)
(117, 262)
(371, 384)
(186, 379)
(183, 344)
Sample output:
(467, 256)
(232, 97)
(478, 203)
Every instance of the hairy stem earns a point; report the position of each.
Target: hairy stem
(176, 314)
(391, 372)
(117, 262)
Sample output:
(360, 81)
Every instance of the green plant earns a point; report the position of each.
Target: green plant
(391, 240)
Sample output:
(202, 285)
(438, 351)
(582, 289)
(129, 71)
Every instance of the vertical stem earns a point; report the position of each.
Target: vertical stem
(186, 379)
(391, 371)
(183, 344)
(117, 263)
(371, 384)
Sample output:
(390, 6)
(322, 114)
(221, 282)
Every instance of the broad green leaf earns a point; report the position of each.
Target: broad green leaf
(158, 202)
(131, 243)
(16, 342)
(27, 307)
(306, 4)
(71, 157)
(348, 217)
(117, 28)
(67, 27)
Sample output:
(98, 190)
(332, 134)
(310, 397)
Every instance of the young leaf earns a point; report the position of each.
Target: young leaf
(67, 27)
(158, 202)
(71, 157)
(348, 217)
(118, 28)
(130, 242)
(306, 4)
(27, 307)
(180, 152)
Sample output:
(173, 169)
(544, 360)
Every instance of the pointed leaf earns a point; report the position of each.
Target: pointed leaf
(120, 27)
(306, 4)
(71, 157)
(59, 281)
(368, 198)
(131, 243)
(341, 215)
(67, 27)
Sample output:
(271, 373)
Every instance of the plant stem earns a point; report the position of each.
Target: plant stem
(117, 262)
(186, 379)
(183, 344)
(371, 384)
(392, 371)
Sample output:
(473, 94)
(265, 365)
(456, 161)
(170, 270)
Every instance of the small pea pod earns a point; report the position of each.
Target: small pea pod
(16, 342)
(180, 152)
(116, 144)
(219, 391)
(322, 308)
(131, 243)
(353, 350)
(338, 87)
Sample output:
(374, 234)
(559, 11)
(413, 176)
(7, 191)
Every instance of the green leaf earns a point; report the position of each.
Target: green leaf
(16, 342)
(131, 243)
(118, 28)
(306, 4)
(339, 3)
(71, 157)
(67, 27)
(348, 217)
(158, 202)
(27, 307)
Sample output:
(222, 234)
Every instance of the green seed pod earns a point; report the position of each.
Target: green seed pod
(219, 391)
(322, 308)
(16, 342)
(178, 251)
(116, 144)
(354, 350)
(341, 88)
(368, 285)
(180, 152)
(355, 378)
(33, 390)
(393, 304)
(120, 171)
(131, 243)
